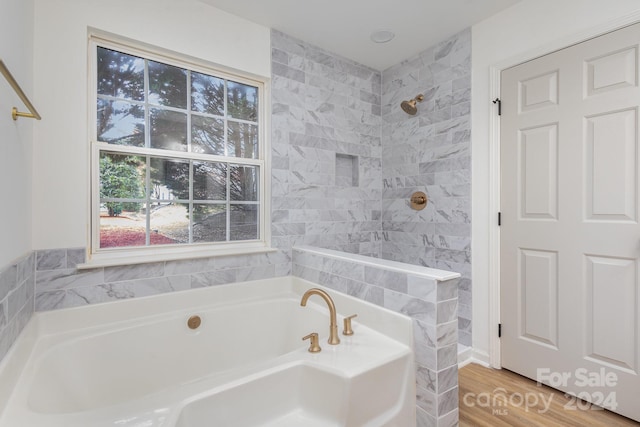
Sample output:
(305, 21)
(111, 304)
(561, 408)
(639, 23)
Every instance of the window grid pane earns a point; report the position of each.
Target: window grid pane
(231, 102)
(171, 109)
(128, 69)
(168, 200)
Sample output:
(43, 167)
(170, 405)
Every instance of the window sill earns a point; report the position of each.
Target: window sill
(120, 258)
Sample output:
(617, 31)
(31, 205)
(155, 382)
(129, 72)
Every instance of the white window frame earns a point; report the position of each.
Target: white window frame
(97, 256)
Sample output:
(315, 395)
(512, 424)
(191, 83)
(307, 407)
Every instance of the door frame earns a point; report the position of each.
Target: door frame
(494, 161)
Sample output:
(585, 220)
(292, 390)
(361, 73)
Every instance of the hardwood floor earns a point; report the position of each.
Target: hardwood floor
(500, 398)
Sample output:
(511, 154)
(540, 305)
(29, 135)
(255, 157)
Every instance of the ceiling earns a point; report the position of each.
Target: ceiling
(345, 26)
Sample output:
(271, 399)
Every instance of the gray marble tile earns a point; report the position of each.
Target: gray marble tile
(464, 297)
(423, 419)
(464, 324)
(283, 269)
(426, 379)
(20, 296)
(285, 71)
(75, 256)
(451, 419)
(10, 333)
(280, 56)
(306, 273)
(3, 314)
(285, 229)
(51, 300)
(51, 259)
(424, 334)
(422, 288)
(180, 282)
(427, 401)
(447, 311)
(462, 136)
(447, 379)
(413, 307)
(154, 286)
(346, 269)
(97, 294)
(447, 333)
(464, 311)
(188, 266)
(447, 290)
(8, 280)
(255, 273)
(5, 343)
(448, 229)
(133, 272)
(287, 43)
(387, 279)
(465, 338)
(462, 257)
(357, 289)
(26, 267)
(124, 290)
(375, 295)
(68, 278)
(333, 281)
(464, 284)
(448, 401)
(211, 278)
(280, 163)
(447, 356)
(308, 259)
(444, 49)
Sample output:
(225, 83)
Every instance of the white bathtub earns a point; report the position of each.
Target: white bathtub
(136, 363)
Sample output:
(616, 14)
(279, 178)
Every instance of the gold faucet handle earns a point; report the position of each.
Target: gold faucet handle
(347, 325)
(314, 346)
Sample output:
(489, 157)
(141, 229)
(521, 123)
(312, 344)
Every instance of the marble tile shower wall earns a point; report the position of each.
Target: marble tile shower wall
(430, 152)
(326, 149)
(17, 288)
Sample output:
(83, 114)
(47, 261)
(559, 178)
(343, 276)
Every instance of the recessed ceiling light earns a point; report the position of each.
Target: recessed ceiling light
(382, 36)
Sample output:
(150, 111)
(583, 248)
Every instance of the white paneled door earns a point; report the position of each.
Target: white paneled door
(570, 234)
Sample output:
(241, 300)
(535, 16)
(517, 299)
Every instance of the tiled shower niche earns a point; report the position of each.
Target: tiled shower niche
(346, 170)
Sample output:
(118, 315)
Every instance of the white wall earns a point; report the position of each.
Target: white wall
(61, 160)
(526, 30)
(16, 47)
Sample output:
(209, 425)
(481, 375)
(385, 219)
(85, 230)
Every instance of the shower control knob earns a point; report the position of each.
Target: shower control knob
(418, 200)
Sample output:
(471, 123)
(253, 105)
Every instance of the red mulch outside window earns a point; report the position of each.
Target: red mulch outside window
(111, 238)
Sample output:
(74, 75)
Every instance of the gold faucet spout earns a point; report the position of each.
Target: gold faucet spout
(333, 326)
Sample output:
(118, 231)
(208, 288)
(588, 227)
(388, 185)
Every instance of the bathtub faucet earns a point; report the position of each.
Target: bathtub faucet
(333, 328)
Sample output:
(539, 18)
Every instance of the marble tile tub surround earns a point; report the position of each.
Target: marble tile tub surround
(430, 152)
(326, 149)
(59, 284)
(428, 296)
(17, 289)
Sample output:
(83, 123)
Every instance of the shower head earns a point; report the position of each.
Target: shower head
(409, 107)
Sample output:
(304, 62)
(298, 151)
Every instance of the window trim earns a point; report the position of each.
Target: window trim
(140, 254)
